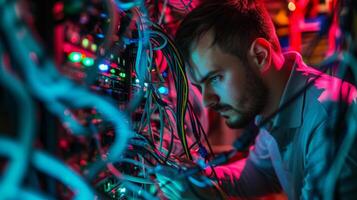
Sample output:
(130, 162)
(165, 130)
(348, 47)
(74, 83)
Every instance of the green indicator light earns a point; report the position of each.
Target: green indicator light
(88, 62)
(112, 71)
(85, 42)
(121, 74)
(107, 187)
(75, 57)
(93, 47)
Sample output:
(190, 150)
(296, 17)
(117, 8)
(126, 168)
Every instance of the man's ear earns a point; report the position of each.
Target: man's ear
(260, 53)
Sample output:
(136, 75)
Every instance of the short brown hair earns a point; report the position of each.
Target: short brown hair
(235, 25)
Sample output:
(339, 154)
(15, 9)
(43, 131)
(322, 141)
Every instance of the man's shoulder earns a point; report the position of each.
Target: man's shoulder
(325, 89)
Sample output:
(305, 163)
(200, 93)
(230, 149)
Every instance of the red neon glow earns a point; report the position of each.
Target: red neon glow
(67, 48)
(333, 88)
(63, 144)
(75, 38)
(230, 172)
(335, 31)
(114, 65)
(58, 10)
(160, 61)
(83, 162)
(297, 24)
(59, 42)
(58, 7)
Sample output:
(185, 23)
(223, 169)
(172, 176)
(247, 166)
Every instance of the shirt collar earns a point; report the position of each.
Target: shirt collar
(291, 116)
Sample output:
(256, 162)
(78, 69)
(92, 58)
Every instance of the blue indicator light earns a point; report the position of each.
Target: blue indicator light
(163, 90)
(103, 67)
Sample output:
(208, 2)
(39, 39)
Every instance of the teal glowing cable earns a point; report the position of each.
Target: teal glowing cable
(19, 159)
(54, 168)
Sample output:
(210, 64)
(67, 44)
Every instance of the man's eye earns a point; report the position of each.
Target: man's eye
(214, 79)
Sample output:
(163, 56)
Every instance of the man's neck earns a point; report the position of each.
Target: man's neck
(276, 79)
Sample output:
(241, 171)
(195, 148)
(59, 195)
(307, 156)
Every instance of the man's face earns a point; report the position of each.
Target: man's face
(229, 86)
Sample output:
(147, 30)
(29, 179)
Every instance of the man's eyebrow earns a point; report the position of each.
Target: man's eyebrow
(207, 76)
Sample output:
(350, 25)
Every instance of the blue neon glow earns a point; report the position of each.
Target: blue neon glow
(122, 190)
(103, 67)
(100, 35)
(163, 90)
(103, 15)
(164, 74)
(54, 94)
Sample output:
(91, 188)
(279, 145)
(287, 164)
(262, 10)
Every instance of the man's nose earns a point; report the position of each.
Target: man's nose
(210, 98)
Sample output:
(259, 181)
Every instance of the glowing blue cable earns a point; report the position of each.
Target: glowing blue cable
(49, 165)
(127, 5)
(162, 36)
(59, 170)
(204, 182)
(350, 137)
(19, 159)
(109, 112)
(42, 84)
(58, 93)
(140, 61)
(136, 189)
(58, 89)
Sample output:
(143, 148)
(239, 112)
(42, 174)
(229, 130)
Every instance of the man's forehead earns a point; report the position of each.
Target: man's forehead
(199, 59)
(192, 73)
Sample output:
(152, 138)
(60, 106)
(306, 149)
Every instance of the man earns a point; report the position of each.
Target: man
(234, 57)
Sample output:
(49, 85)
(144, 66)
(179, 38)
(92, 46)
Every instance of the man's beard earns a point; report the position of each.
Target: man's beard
(256, 99)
